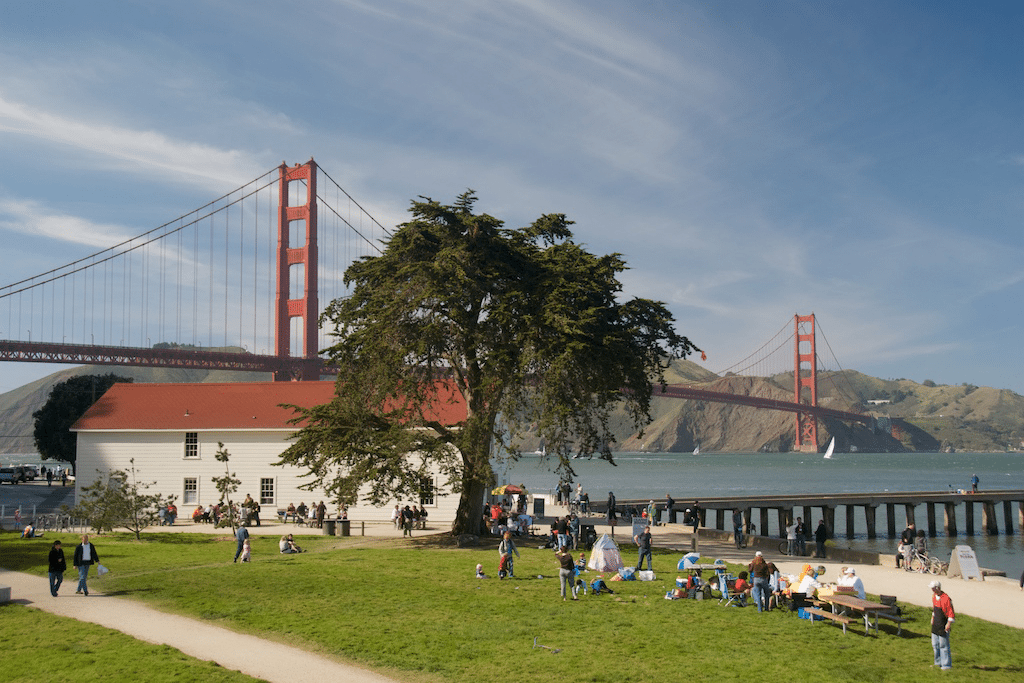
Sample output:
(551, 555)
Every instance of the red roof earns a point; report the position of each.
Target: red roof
(229, 406)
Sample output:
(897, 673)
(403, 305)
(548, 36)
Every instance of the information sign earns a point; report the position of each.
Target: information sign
(964, 563)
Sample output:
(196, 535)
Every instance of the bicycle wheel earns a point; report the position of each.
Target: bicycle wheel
(784, 548)
(916, 565)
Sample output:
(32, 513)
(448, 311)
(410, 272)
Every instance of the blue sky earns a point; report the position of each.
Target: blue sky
(751, 160)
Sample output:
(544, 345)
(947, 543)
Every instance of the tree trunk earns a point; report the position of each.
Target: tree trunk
(469, 516)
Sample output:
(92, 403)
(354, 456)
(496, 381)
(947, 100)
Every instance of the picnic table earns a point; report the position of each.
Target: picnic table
(868, 608)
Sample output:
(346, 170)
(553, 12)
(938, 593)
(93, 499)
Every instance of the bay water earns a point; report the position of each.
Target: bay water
(688, 477)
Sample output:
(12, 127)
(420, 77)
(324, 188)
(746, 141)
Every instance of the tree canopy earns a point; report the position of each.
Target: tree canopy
(527, 325)
(68, 401)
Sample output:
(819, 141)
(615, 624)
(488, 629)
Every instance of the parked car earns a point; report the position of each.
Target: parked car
(31, 472)
(14, 474)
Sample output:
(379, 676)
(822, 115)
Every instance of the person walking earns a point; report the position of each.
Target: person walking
(505, 549)
(643, 544)
(57, 567)
(566, 573)
(85, 557)
(737, 528)
(820, 536)
(611, 510)
(974, 483)
(761, 588)
(241, 535)
(670, 509)
(942, 621)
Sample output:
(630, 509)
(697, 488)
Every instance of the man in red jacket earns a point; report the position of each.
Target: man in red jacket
(942, 622)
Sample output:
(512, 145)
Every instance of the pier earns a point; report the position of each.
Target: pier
(717, 512)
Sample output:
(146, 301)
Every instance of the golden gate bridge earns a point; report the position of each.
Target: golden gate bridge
(237, 284)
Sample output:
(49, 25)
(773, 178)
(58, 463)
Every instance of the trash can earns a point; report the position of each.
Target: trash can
(538, 507)
(329, 525)
(346, 527)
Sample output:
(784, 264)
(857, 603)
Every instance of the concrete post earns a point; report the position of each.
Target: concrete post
(829, 515)
(808, 513)
(869, 519)
(969, 517)
(746, 520)
(950, 520)
(988, 518)
(850, 511)
(785, 519)
(930, 508)
(720, 519)
(1008, 516)
(764, 522)
(890, 519)
(909, 507)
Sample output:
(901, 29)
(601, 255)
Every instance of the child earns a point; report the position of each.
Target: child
(246, 550)
(581, 564)
(480, 572)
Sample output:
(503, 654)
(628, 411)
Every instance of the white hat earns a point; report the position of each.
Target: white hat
(935, 585)
(851, 570)
(757, 554)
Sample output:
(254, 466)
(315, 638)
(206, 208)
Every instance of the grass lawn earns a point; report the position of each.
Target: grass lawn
(413, 610)
(39, 646)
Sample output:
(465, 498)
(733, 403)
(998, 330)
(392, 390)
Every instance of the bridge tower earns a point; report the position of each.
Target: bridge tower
(299, 314)
(805, 376)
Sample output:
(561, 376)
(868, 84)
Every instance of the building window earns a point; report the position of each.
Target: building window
(191, 444)
(191, 494)
(426, 491)
(267, 491)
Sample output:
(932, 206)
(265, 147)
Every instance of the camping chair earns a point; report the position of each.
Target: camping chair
(723, 586)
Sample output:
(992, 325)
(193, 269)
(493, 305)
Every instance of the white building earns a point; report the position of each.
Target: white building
(172, 432)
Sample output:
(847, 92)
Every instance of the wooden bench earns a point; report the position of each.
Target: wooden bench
(839, 618)
(898, 620)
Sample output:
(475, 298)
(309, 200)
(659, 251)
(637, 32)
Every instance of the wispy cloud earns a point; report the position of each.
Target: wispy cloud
(153, 151)
(32, 218)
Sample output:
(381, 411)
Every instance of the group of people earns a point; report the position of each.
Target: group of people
(168, 514)
(913, 542)
(312, 515)
(501, 517)
(408, 518)
(84, 557)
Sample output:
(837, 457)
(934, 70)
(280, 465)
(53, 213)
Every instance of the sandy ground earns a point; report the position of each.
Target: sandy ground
(995, 599)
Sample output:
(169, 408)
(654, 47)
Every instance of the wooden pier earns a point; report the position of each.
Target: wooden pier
(717, 512)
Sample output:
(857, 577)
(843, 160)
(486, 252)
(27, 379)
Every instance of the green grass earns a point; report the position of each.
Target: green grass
(417, 613)
(44, 647)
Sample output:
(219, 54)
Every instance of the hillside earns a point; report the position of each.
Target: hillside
(923, 417)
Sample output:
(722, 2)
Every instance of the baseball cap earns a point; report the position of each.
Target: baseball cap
(935, 584)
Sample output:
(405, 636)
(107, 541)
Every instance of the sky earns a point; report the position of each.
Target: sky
(751, 160)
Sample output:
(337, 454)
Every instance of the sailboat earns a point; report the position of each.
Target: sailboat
(696, 451)
(831, 447)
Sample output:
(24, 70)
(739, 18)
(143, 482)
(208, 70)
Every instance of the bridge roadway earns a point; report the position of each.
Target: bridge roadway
(785, 505)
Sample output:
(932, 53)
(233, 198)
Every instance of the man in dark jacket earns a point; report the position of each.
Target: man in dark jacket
(820, 536)
(85, 556)
(57, 567)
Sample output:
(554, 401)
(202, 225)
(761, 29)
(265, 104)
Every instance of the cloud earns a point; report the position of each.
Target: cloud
(150, 150)
(32, 218)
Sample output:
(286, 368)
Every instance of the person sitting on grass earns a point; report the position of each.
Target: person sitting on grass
(287, 545)
(581, 564)
(480, 572)
(599, 586)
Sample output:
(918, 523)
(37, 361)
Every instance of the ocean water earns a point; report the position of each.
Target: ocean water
(688, 477)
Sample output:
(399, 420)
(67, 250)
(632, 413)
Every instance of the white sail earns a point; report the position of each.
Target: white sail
(831, 447)
(696, 451)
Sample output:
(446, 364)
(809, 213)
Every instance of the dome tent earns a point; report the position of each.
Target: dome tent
(605, 555)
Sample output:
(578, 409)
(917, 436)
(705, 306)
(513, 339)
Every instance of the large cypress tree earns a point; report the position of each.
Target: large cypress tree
(525, 323)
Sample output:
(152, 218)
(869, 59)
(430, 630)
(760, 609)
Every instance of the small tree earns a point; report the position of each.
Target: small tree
(121, 502)
(227, 484)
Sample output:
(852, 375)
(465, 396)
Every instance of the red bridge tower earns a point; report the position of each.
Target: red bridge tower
(805, 377)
